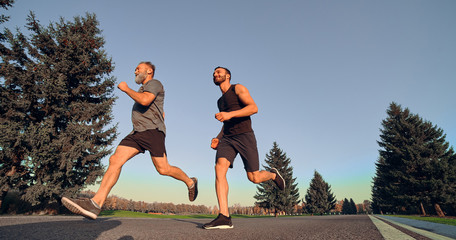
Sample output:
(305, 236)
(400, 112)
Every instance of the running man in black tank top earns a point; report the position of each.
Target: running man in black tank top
(235, 106)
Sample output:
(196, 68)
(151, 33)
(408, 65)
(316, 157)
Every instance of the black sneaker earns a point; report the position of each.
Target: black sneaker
(221, 222)
(193, 192)
(84, 207)
(279, 179)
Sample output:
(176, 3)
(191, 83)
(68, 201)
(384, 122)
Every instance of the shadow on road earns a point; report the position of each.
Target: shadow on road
(78, 229)
(198, 225)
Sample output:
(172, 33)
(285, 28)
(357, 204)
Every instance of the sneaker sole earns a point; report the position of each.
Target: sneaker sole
(73, 207)
(277, 172)
(219, 227)
(196, 188)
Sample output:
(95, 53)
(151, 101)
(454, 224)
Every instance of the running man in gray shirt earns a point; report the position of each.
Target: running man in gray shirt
(148, 134)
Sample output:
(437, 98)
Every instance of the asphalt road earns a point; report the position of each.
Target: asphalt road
(75, 227)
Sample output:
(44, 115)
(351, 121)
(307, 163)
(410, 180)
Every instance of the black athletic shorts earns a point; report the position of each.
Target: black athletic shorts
(151, 140)
(245, 144)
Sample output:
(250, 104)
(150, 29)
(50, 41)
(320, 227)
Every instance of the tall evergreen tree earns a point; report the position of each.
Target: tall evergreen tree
(55, 108)
(267, 195)
(6, 4)
(410, 173)
(319, 198)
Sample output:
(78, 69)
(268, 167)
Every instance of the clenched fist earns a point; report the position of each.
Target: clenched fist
(223, 116)
(123, 86)
(214, 143)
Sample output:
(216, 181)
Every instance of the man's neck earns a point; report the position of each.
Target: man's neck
(145, 81)
(225, 86)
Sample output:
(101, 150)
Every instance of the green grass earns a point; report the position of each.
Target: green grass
(448, 221)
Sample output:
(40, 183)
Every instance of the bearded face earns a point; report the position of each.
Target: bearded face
(139, 79)
(219, 79)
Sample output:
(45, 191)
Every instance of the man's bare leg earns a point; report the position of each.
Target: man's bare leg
(260, 176)
(223, 220)
(88, 207)
(221, 184)
(116, 161)
(163, 167)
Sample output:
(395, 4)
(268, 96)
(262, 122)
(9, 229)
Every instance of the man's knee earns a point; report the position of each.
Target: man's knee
(115, 161)
(163, 169)
(221, 167)
(121, 156)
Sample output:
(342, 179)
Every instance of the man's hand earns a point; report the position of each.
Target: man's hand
(143, 98)
(214, 143)
(223, 116)
(123, 86)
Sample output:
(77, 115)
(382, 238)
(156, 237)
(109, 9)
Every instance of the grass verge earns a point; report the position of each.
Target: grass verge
(448, 221)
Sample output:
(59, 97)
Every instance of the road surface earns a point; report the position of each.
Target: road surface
(315, 227)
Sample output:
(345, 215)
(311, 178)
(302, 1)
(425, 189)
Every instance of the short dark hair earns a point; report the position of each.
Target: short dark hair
(226, 69)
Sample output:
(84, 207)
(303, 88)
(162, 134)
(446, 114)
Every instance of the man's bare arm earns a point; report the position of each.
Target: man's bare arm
(144, 98)
(249, 109)
(215, 141)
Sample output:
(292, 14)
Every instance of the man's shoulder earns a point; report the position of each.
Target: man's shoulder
(153, 83)
(238, 88)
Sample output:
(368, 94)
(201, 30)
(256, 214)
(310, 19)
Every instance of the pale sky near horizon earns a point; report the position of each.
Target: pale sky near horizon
(322, 73)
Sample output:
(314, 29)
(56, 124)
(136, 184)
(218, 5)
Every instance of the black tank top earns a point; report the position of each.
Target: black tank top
(229, 102)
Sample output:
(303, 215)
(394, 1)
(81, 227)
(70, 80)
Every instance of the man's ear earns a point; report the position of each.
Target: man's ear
(150, 71)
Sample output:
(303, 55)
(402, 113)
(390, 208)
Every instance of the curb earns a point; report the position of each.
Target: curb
(422, 232)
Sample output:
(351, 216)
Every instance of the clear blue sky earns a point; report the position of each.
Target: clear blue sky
(322, 73)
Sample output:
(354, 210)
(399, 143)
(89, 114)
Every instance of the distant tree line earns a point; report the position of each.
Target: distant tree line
(114, 202)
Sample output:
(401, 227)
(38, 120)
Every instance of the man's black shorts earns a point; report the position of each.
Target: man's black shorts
(245, 144)
(151, 140)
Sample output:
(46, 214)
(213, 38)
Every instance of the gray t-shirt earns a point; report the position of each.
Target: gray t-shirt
(150, 117)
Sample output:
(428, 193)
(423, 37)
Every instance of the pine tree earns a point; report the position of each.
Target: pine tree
(410, 172)
(55, 104)
(3, 18)
(383, 192)
(267, 195)
(319, 198)
(353, 209)
(349, 207)
(346, 207)
(331, 198)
